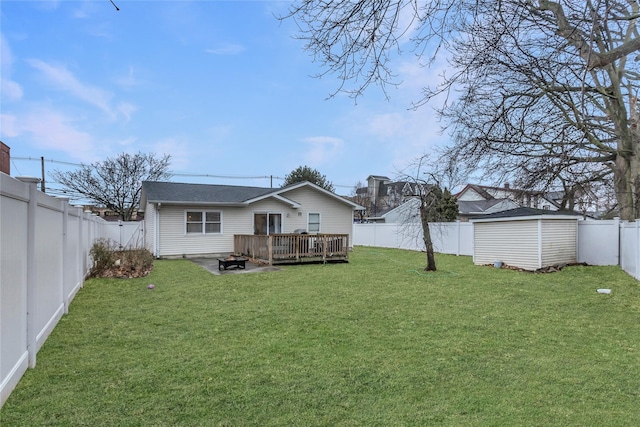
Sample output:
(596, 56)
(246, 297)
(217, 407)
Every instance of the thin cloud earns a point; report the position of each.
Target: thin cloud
(227, 49)
(322, 149)
(52, 130)
(11, 90)
(64, 80)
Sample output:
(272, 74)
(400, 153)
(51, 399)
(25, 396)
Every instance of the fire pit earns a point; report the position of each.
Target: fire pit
(238, 262)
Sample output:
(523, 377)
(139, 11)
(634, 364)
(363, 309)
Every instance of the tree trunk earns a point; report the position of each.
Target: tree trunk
(627, 167)
(431, 260)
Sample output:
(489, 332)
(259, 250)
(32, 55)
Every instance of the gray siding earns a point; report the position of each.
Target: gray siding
(513, 242)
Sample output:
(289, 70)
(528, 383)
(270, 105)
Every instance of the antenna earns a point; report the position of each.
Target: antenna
(114, 5)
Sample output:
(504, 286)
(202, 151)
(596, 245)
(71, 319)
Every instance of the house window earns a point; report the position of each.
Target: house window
(203, 222)
(314, 223)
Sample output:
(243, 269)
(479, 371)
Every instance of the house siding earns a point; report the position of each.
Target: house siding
(174, 240)
(512, 242)
(335, 218)
(150, 228)
(470, 195)
(559, 241)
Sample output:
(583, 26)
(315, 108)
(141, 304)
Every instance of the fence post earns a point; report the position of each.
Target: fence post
(618, 231)
(31, 269)
(66, 274)
(636, 248)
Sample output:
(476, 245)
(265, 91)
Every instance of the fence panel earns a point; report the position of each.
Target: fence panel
(598, 242)
(14, 207)
(49, 266)
(447, 237)
(44, 258)
(629, 241)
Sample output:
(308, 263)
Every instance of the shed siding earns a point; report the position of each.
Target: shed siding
(559, 241)
(514, 243)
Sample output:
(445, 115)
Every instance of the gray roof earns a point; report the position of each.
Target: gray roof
(176, 192)
(525, 211)
(234, 195)
(469, 206)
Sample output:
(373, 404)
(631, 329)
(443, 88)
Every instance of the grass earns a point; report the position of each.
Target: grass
(376, 342)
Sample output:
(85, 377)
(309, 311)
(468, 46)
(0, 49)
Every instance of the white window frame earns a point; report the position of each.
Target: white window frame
(203, 222)
(309, 230)
(268, 214)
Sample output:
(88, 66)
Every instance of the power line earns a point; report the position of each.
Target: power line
(196, 175)
(191, 175)
(40, 159)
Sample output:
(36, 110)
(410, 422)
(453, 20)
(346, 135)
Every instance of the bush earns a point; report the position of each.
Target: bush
(104, 256)
(135, 263)
(109, 261)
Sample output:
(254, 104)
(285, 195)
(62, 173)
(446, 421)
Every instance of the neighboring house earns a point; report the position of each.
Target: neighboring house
(474, 200)
(201, 219)
(381, 195)
(5, 158)
(408, 211)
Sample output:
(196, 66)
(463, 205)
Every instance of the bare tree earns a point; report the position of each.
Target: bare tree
(361, 198)
(547, 89)
(433, 203)
(115, 182)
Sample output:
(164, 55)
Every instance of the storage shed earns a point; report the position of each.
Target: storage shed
(526, 238)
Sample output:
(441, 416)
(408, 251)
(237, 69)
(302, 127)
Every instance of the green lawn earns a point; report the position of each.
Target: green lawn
(376, 342)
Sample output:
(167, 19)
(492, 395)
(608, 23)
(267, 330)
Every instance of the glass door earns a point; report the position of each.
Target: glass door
(267, 223)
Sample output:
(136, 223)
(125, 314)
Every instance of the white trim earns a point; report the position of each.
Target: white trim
(267, 213)
(525, 218)
(319, 230)
(203, 222)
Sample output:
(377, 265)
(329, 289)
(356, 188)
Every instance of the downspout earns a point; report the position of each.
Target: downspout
(156, 232)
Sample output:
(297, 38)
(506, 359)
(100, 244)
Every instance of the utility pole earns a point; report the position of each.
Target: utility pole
(42, 167)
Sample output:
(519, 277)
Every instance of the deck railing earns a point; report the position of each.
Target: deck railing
(293, 248)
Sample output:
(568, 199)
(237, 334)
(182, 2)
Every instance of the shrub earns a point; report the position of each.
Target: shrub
(109, 261)
(135, 263)
(103, 255)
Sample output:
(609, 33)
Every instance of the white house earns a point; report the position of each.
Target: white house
(200, 219)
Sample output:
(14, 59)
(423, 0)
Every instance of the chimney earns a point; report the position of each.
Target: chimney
(5, 158)
(506, 185)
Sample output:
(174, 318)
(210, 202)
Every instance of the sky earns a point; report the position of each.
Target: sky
(223, 87)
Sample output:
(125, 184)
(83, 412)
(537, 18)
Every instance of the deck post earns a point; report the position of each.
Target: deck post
(270, 249)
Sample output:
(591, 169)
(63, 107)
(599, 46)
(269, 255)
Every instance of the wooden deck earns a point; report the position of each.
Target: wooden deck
(293, 248)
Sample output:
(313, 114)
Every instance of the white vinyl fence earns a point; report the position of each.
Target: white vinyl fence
(601, 242)
(454, 238)
(44, 258)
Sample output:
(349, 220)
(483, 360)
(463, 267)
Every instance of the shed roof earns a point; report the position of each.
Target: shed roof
(526, 213)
